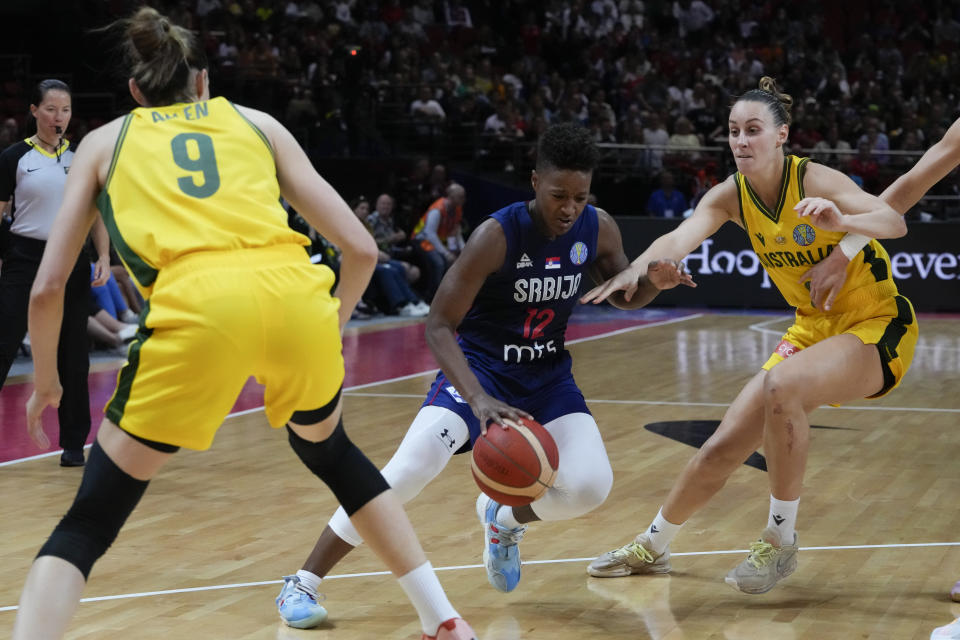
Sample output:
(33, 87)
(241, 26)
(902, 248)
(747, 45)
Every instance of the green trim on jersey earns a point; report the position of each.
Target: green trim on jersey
(878, 266)
(784, 187)
(118, 403)
(116, 149)
(143, 272)
(801, 171)
(736, 179)
(890, 340)
(260, 133)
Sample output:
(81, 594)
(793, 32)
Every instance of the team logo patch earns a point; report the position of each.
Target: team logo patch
(454, 394)
(803, 234)
(525, 262)
(553, 262)
(786, 349)
(578, 253)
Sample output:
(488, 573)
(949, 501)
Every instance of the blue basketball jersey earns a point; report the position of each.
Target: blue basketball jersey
(518, 319)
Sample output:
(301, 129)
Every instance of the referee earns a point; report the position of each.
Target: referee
(32, 175)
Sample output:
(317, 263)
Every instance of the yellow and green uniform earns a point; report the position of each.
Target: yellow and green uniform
(867, 306)
(192, 205)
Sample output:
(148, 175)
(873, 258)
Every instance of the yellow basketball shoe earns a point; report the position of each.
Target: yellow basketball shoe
(629, 559)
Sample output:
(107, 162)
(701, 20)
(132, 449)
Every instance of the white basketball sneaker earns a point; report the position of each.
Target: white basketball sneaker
(501, 556)
(635, 557)
(949, 632)
(769, 561)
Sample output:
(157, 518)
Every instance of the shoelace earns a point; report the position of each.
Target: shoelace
(636, 549)
(507, 537)
(761, 553)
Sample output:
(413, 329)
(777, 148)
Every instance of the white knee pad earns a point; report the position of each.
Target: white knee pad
(430, 442)
(584, 478)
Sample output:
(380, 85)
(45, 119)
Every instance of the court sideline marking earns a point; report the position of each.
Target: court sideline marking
(241, 585)
(684, 404)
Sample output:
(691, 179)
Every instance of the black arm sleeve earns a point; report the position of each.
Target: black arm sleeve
(8, 168)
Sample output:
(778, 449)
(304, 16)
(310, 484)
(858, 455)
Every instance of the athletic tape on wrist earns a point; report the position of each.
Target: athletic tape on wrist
(852, 243)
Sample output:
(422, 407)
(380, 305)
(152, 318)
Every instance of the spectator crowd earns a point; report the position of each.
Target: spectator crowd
(475, 78)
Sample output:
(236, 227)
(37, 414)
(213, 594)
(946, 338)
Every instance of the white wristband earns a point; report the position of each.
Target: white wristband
(852, 243)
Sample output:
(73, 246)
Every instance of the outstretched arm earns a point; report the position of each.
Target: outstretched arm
(611, 260)
(936, 163)
(840, 205)
(712, 211)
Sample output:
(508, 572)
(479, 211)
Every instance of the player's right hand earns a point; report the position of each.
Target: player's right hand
(625, 281)
(489, 409)
(827, 278)
(40, 399)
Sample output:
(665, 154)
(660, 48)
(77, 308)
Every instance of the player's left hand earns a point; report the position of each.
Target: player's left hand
(667, 274)
(489, 409)
(827, 278)
(823, 213)
(40, 399)
(101, 271)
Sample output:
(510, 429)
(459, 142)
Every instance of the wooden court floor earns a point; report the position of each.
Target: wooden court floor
(203, 555)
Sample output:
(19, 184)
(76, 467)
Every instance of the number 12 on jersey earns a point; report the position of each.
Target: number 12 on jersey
(542, 317)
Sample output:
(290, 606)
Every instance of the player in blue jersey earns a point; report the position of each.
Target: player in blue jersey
(509, 296)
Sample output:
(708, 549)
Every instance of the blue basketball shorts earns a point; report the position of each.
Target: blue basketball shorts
(545, 401)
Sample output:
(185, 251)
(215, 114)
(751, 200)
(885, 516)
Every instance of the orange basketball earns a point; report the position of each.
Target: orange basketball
(516, 465)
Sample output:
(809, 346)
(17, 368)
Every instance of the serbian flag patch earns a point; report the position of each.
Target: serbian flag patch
(553, 262)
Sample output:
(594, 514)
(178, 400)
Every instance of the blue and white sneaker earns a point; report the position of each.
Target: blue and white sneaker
(298, 608)
(501, 556)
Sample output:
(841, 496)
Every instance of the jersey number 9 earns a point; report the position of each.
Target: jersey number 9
(199, 159)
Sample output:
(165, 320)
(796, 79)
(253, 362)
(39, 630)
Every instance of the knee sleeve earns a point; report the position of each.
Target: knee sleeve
(342, 467)
(584, 478)
(436, 433)
(106, 497)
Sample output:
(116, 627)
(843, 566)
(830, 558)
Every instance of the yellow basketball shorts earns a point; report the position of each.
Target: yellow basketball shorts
(889, 323)
(216, 318)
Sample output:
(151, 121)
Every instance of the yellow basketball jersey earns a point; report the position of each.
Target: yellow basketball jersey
(191, 177)
(789, 245)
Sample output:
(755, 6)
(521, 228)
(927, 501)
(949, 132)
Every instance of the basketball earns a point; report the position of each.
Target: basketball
(516, 465)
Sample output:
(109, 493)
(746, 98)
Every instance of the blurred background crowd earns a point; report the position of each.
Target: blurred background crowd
(442, 86)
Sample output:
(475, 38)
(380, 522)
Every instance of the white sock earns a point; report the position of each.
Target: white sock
(505, 518)
(309, 582)
(783, 518)
(661, 533)
(427, 596)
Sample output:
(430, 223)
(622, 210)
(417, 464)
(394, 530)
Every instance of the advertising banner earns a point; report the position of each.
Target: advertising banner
(926, 266)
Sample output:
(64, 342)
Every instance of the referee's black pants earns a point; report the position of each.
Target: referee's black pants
(19, 269)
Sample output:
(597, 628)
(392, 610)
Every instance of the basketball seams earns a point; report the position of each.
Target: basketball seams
(524, 455)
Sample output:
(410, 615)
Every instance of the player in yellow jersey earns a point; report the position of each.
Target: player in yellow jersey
(795, 213)
(189, 187)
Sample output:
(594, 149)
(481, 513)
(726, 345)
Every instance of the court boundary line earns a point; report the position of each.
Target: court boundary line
(686, 404)
(462, 567)
(365, 385)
